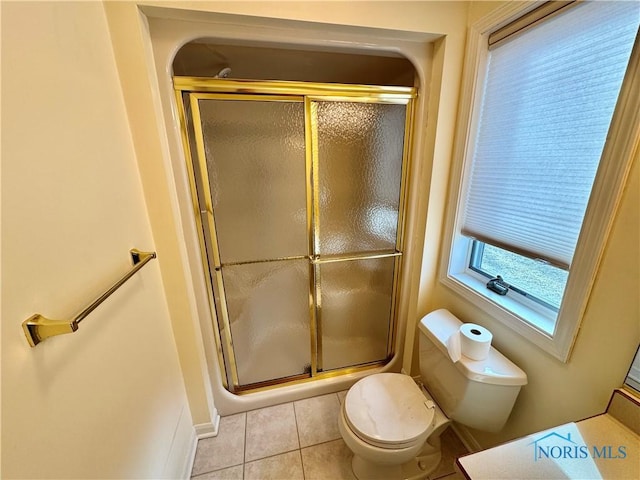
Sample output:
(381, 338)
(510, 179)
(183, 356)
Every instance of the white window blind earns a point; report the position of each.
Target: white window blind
(548, 100)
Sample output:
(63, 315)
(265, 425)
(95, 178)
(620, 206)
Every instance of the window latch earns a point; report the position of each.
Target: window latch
(498, 285)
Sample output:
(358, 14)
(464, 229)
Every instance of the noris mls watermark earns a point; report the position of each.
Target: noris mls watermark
(556, 446)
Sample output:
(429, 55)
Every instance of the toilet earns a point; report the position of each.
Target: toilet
(393, 425)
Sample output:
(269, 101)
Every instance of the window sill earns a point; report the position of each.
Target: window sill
(530, 321)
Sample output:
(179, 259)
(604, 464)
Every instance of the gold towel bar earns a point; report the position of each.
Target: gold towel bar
(38, 328)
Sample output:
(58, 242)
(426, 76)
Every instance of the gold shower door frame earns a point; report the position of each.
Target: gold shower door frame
(193, 89)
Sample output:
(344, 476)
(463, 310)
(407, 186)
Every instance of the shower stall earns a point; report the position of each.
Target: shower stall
(299, 192)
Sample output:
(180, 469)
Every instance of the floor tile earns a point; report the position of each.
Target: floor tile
(231, 473)
(279, 467)
(317, 419)
(327, 461)
(271, 431)
(224, 450)
(266, 444)
(451, 448)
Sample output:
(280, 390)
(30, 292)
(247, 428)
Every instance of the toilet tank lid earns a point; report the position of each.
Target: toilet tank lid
(496, 369)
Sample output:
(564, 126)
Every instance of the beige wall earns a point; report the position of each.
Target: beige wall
(107, 401)
(558, 393)
(443, 17)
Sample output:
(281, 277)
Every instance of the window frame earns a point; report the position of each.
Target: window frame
(553, 334)
(475, 260)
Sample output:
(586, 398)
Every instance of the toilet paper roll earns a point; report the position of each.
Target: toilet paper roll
(471, 341)
(475, 341)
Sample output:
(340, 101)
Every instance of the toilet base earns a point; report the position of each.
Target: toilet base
(417, 468)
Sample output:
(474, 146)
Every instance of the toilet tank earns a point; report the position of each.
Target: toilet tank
(477, 393)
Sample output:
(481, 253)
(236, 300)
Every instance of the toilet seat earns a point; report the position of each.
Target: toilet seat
(388, 410)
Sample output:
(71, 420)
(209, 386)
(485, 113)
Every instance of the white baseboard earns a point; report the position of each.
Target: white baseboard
(200, 431)
(210, 429)
(182, 451)
(190, 458)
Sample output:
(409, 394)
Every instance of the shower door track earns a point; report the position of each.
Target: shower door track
(192, 89)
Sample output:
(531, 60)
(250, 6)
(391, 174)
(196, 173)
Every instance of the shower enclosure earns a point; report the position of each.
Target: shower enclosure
(298, 190)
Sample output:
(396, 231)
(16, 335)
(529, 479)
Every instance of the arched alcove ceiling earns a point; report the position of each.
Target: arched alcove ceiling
(206, 57)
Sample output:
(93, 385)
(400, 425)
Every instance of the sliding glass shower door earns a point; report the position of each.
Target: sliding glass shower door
(359, 150)
(299, 195)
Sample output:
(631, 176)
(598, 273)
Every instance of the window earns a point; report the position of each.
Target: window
(530, 221)
(533, 279)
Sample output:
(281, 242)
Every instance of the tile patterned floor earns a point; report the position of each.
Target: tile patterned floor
(297, 440)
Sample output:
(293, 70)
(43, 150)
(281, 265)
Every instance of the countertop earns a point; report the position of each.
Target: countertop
(599, 447)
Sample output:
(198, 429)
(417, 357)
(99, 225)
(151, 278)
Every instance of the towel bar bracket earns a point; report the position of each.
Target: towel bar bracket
(38, 328)
(137, 256)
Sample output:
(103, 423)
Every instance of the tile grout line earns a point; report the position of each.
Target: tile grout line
(298, 449)
(287, 451)
(244, 453)
(295, 418)
(271, 456)
(301, 464)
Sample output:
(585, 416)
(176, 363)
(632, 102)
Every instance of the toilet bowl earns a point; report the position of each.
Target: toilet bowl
(385, 421)
(393, 426)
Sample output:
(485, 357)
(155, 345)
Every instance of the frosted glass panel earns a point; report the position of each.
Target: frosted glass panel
(268, 305)
(356, 311)
(360, 168)
(255, 155)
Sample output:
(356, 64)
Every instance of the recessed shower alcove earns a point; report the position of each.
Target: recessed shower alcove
(297, 161)
(309, 78)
